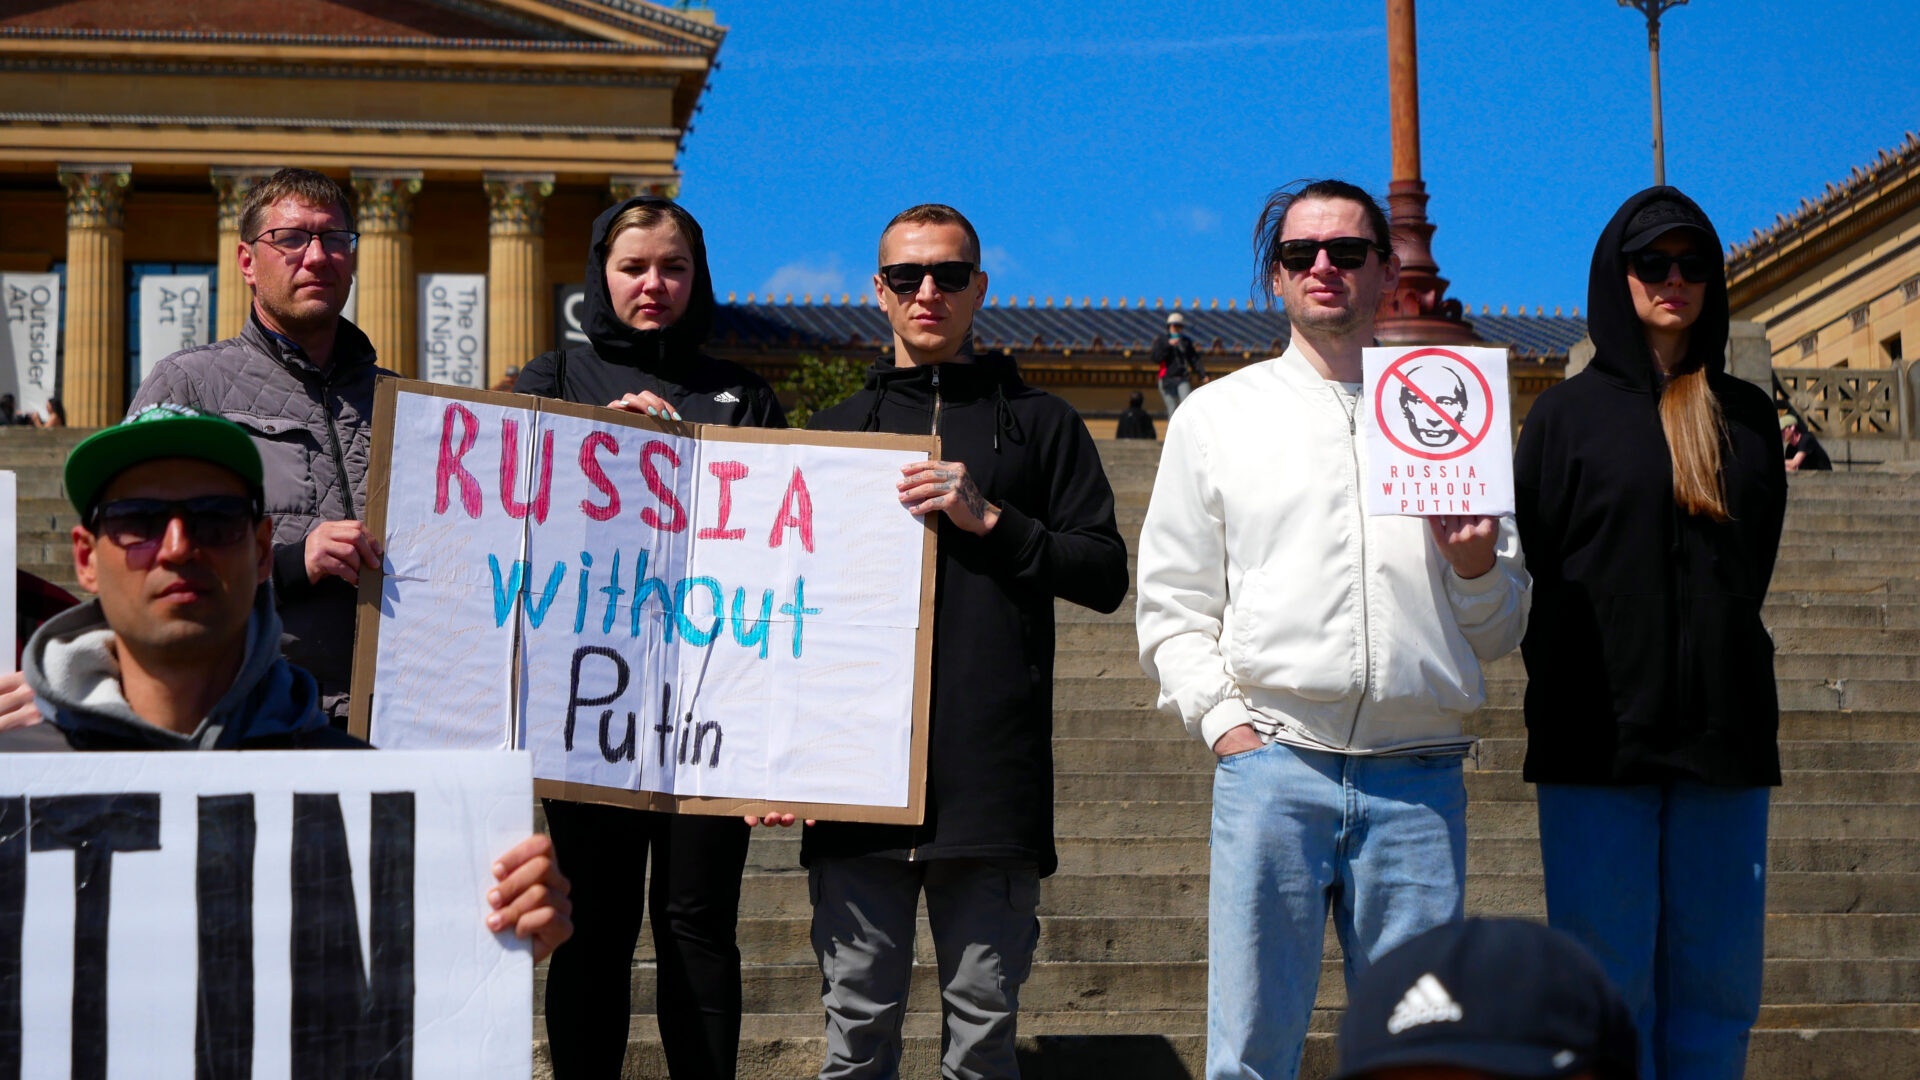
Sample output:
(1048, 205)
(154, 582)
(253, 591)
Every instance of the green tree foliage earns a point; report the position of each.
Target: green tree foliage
(820, 384)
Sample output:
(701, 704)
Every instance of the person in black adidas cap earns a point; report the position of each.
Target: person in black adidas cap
(1487, 999)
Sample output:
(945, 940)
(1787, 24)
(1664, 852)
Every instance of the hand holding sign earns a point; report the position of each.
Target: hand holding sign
(945, 485)
(1469, 544)
(1439, 439)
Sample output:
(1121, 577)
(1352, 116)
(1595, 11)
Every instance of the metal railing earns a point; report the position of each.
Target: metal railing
(1850, 403)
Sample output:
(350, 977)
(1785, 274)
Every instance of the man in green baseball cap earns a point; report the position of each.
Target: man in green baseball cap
(180, 648)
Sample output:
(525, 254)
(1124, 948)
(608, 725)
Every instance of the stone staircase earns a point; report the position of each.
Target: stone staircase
(1119, 983)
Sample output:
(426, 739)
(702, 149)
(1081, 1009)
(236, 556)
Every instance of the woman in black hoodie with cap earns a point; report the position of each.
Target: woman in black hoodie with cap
(1650, 494)
(649, 307)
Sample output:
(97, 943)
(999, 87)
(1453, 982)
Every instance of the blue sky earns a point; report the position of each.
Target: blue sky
(1124, 148)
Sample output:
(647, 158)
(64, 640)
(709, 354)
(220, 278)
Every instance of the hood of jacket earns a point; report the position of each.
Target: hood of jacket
(967, 378)
(71, 665)
(1621, 354)
(662, 351)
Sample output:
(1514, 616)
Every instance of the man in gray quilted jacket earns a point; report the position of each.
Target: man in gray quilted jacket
(300, 379)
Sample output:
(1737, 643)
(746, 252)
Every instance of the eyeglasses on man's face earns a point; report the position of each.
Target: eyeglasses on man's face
(1344, 252)
(212, 521)
(292, 242)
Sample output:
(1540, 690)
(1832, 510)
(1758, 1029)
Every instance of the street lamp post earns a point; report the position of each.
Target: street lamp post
(1653, 9)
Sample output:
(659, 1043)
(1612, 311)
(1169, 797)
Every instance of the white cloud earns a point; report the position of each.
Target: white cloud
(1188, 218)
(808, 277)
(995, 260)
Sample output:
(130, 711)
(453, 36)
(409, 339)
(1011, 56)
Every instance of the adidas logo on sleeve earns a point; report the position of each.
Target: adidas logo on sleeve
(725, 397)
(1426, 1002)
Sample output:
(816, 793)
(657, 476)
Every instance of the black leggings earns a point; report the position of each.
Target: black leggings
(695, 901)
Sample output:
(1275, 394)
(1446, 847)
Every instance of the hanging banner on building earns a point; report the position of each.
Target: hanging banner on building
(297, 913)
(1441, 437)
(175, 313)
(453, 329)
(674, 616)
(569, 307)
(30, 349)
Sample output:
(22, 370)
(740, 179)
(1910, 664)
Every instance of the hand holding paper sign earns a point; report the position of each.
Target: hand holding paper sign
(1468, 542)
(945, 485)
(17, 706)
(647, 402)
(340, 549)
(532, 896)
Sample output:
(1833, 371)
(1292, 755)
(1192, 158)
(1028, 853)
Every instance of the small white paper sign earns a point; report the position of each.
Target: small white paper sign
(453, 329)
(273, 913)
(30, 348)
(1439, 431)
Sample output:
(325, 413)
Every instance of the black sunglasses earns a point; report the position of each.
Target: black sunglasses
(948, 277)
(211, 520)
(1344, 252)
(1652, 266)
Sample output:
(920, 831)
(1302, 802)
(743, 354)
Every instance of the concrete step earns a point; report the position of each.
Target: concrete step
(1834, 820)
(1501, 722)
(1831, 1053)
(1484, 785)
(1854, 605)
(1183, 939)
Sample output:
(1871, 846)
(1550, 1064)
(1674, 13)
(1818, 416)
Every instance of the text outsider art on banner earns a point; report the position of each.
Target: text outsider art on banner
(693, 618)
(300, 914)
(30, 348)
(1440, 439)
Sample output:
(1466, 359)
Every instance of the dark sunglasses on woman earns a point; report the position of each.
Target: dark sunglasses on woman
(211, 520)
(1652, 267)
(948, 277)
(1344, 252)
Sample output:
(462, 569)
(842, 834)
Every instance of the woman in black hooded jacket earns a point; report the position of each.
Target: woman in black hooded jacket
(649, 307)
(1650, 493)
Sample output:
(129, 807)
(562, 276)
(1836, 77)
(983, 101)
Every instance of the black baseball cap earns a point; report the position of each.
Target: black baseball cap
(1661, 216)
(159, 431)
(1506, 997)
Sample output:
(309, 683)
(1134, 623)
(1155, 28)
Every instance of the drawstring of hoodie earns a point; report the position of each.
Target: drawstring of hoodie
(1002, 415)
(871, 423)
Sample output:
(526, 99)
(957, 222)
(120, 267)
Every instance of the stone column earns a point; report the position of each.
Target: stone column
(388, 298)
(626, 187)
(518, 327)
(233, 298)
(94, 385)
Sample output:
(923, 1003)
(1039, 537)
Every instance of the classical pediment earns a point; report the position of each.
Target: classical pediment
(361, 22)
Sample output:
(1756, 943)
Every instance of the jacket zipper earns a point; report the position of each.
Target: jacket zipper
(1366, 631)
(915, 849)
(333, 436)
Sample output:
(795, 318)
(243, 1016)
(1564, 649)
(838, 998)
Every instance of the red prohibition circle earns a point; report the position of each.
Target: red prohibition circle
(1380, 401)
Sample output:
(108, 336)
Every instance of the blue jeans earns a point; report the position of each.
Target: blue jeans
(1382, 842)
(1666, 885)
(1175, 391)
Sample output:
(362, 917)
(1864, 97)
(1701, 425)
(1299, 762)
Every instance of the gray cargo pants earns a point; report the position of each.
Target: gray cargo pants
(981, 913)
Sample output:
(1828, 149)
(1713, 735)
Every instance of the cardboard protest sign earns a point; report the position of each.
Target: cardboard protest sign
(30, 348)
(683, 617)
(298, 914)
(1441, 438)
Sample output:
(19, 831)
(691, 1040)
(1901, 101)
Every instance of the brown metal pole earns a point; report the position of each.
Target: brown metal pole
(1659, 149)
(1403, 85)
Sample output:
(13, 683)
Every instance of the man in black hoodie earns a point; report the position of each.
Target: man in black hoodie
(1028, 516)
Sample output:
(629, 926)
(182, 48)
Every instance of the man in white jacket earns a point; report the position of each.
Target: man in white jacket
(1328, 658)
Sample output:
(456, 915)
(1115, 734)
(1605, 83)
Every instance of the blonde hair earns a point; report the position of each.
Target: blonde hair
(1695, 427)
(641, 216)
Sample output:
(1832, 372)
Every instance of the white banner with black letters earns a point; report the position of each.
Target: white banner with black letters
(30, 349)
(453, 329)
(175, 314)
(261, 914)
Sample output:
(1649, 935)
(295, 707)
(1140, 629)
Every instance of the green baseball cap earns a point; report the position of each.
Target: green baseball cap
(159, 431)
